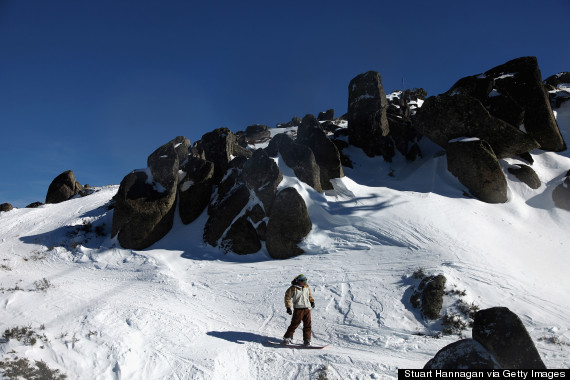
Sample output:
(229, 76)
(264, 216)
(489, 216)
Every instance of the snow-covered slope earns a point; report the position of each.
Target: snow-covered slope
(184, 310)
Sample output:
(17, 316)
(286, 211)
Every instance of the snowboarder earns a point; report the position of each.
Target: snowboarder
(300, 293)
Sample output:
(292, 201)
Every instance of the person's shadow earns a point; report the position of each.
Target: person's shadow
(242, 337)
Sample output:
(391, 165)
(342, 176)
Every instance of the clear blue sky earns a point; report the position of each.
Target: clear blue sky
(95, 86)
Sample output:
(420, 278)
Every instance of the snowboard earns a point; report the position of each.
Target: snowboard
(296, 345)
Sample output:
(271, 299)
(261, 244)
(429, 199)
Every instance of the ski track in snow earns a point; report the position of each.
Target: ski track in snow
(184, 310)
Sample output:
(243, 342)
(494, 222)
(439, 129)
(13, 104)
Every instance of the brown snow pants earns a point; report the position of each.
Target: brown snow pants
(300, 315)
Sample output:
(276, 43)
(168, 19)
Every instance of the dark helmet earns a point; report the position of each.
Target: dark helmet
(300, 279)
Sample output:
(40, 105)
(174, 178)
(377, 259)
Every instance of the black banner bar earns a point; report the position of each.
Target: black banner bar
(468, 374)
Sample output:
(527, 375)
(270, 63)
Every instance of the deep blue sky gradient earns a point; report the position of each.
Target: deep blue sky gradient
(95, 86)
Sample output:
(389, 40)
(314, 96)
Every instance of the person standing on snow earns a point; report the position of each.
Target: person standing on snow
(300, 293)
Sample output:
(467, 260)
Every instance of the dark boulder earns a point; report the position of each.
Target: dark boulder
(224, 212)
(197, 150)
(144, 210)
(241, 139)
(404, 135)
(558, 86)
(505, 108)
(561, 194)
(526, 174)
(463, 354)
(399, 113)
(298, 157)
(231, 180)
(181, 146)
(503, 334)
(85, 190)
(256, 214)
(326, 115)
(145, 203)
(164, 162)
(526, 157)
(559, 97)
(367, 121)
(344, 159)
(262, 231)
(4, 207)
(477, 86)
(257, 133)
(447, 117)
(262, 175)
(294, 122)
(521, 78)
(220, 146)
(288, 224)
(558, 79)
(242, 237)
(329, 126)
(429, 296)
(432, 296)
(195, 189)
(63, 188)
(34, 205)
(326, 153)
(514, 92)
(474, 163)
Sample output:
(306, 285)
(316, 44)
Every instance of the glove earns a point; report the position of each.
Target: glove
(289, 311)
(312, 305)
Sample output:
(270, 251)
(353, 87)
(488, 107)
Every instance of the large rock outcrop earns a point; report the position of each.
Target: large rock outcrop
(503, 334)
(446, 117)
(474, 163)
(63, 188)
(521, 79)
(367, 120)
(326, 153)
(514, 92)
(288, 224)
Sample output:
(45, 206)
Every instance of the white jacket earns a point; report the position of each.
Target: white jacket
(300, 295)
